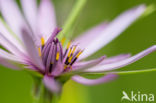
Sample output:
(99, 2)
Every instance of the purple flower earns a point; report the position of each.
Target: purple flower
(30, 39)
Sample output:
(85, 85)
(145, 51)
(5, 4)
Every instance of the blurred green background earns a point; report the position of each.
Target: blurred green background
(15, 86)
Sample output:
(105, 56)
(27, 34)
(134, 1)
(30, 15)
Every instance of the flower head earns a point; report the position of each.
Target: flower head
(31, 39)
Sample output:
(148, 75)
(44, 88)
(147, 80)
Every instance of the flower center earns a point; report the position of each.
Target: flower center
(54, 56)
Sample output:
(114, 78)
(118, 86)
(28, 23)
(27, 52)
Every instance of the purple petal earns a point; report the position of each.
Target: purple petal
(90, 35)
(59, 66)
(12, 15)
(8, 64)
(32, 50)
(10, 37)
(116, 65)
(86, 81)
(30, 11)
(54, 34)
(51, 84)
(8, 56)
(45, 53)
(87, 64)
(58, 69)
(46, 18)
(49, 56)
(9, 46)
(113, 30)
(115, 59)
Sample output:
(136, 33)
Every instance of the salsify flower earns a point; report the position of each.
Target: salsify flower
(29, 36)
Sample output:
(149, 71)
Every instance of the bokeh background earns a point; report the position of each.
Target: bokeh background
(15, 86)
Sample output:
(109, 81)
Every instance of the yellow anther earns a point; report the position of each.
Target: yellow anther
(42, 41)
(69, 60)
(39, 52)
(57, 56)
(74, 49)
(69, 52)
(68, 45)
(79, 54)
(51, 62)
(65, 66)
(63, 40)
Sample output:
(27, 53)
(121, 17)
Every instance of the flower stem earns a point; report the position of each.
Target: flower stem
(71, 19)
(126, 72)
(149, 10)
(134, 71)
(37, 90)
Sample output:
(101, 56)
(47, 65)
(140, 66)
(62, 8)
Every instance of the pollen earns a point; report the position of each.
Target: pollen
(39, 52)
(72, 56)
(65, 66)
(69, 60)
(57, 56)
(73, 50)
(79, 54)
(69, 52)
(63, 40)
(68, 45)
(42, 41)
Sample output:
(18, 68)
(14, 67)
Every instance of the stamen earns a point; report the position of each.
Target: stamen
(65, 66)
(57, 56)
(68, 45)
(69, 52)
(63, 40)
(50, 68)
(80, 52)
(70, 56)
(61, 51)
(52, 53)
(45, 54)
(69, 60)
(66, 62)
(73, 50)
(42, 41)
(39, 52)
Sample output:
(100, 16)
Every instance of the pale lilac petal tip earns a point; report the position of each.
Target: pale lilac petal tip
(46, 18)
(90, 35)
(4, 31)
(122, 63)
(30, 12)
(51, 84)
(113, 30)
(12, 15)
(115, 59)
(86, 81)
